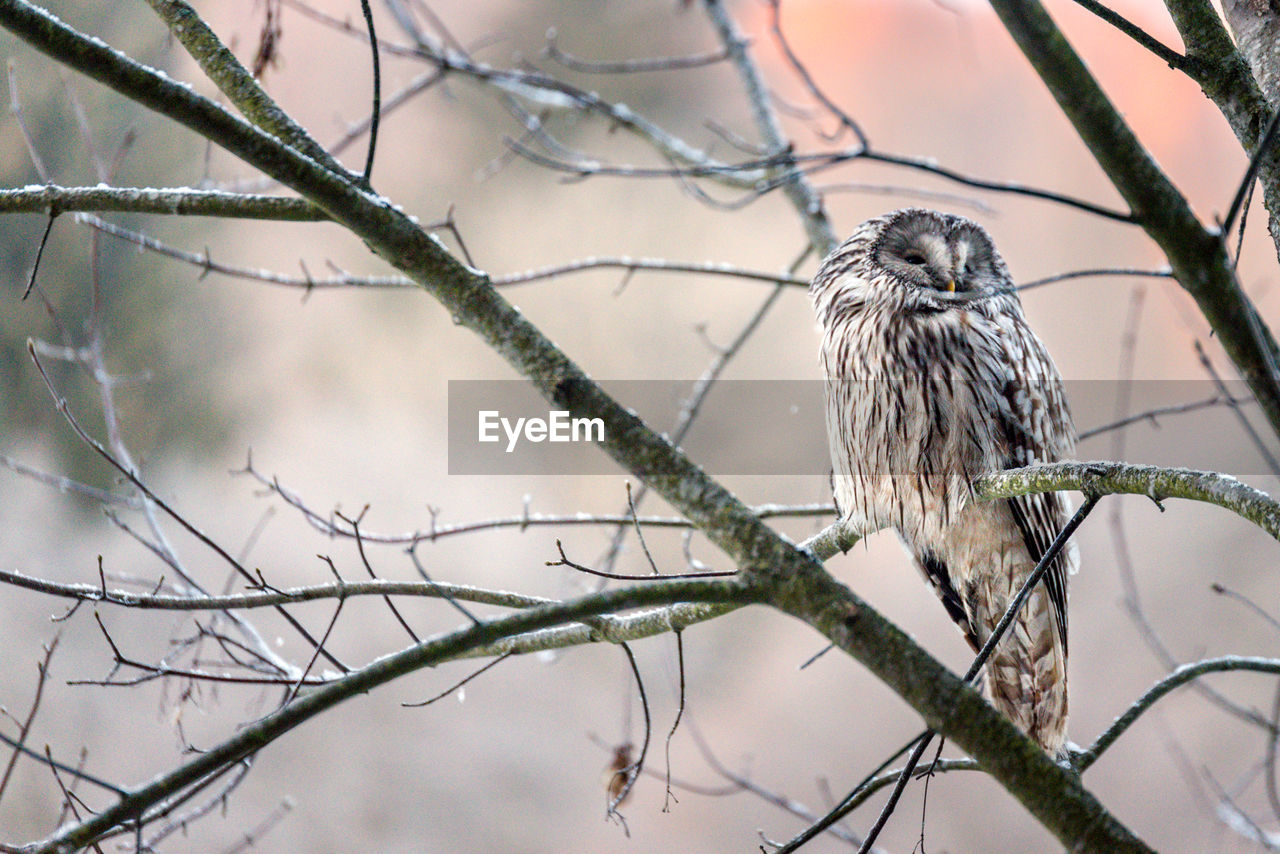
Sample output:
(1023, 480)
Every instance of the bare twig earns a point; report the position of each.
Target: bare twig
(133, 478)
(630, 66)
(1258, 443)
(375, 112)
(675, 724)
(25, 727)
(632, 773)
(631, 265)
(1171, 57)
(459, 684)
(1163, 273)
(1181, 676)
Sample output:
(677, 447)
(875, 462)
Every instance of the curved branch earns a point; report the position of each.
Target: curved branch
(1155, 482)
(1177, 678)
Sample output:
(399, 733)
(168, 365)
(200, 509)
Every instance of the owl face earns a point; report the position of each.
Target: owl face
(913, 260)
(944, 258)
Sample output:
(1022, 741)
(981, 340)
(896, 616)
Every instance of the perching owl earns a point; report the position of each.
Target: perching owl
(933, 378)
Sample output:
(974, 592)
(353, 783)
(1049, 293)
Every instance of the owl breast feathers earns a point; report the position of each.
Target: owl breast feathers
(933, 378)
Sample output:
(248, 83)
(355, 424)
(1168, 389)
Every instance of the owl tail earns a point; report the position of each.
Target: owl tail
(1026, 678)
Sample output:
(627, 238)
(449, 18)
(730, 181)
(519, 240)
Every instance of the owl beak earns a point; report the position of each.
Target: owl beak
(951, 286)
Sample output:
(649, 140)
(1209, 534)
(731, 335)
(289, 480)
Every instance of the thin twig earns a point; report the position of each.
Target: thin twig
(633, 771)
(455, 686)
(564, 561)
(1170, 56)
(675, 725)
(1173, 409)
(846, 121)
(376, 112)
(1162, 273)
(44, 239)
(61, 404)
(1246, 425)
(1237, 201)
(1180, 676)
(630, 66)
(25, 727)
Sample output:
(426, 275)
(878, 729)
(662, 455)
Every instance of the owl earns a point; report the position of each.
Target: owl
(933, 378)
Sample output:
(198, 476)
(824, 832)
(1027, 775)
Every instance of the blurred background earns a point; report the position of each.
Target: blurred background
(343, 396)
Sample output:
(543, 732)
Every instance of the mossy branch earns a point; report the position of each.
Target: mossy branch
(1155, 482)
(52, 199)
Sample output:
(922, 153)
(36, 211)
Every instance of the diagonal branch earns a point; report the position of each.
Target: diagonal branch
(1170, 56)
(1224, 76)
(235, 81)
(794, 185)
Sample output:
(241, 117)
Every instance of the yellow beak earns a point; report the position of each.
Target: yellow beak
(951, 286)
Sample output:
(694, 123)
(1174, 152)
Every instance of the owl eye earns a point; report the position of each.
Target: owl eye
(915, 258)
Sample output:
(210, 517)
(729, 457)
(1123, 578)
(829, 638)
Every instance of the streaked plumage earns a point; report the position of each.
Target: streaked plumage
(933, 377)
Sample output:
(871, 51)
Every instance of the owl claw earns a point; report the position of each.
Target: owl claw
(1070, 755)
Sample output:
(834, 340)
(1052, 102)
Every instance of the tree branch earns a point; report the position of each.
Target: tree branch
(235, 81)
(251, 738)
(806, 202)
(1224, 76)
(1107, 478)
(1198, 256)
(1170, 56)
(44, 198)
(1177, 678)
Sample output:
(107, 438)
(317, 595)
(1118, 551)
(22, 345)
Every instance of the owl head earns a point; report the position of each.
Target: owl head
(913, 260)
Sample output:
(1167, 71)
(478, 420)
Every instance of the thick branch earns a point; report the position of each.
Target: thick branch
(235, 81)
(1198, 256)
(1224, 76)
(1256, 27)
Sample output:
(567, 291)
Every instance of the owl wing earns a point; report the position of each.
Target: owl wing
(1039, 519)
(1038, 430)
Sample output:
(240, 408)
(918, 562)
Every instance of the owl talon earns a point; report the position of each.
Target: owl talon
(1070, 756)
